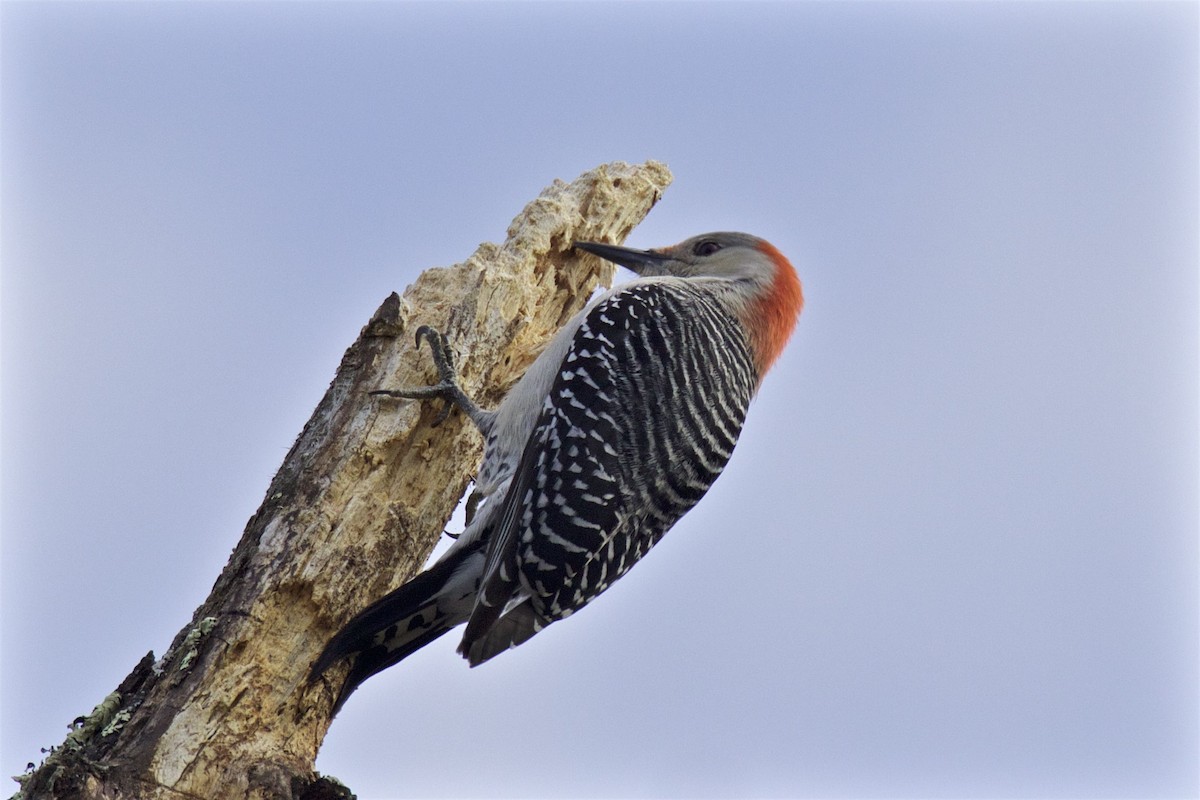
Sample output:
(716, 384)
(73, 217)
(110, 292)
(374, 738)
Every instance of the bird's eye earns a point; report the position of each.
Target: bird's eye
(706, 247)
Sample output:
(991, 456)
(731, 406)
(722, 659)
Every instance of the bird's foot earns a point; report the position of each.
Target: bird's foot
(447, 386)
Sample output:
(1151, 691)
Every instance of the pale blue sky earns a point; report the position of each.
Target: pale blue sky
(955, 554)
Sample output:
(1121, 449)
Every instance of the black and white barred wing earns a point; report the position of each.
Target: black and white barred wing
(636, 428)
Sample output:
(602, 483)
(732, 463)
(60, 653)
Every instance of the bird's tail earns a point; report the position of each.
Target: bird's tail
(402, 622)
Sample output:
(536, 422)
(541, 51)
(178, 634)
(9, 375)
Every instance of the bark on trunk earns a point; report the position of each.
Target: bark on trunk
(227, 711)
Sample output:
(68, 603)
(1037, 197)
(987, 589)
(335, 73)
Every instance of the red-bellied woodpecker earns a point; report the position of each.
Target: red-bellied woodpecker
(617, 429)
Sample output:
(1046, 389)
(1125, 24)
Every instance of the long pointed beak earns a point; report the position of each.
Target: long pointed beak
(643, 262)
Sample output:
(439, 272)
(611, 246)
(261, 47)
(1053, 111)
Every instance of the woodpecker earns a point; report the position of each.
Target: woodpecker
(616, 430)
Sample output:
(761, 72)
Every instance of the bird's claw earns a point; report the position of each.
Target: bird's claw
(447, 386)
(439, 348)
(443, 415)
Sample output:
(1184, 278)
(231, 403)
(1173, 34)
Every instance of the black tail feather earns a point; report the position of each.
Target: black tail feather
(363, 636)
(377, 659)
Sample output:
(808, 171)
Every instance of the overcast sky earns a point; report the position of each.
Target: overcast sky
(955, 553)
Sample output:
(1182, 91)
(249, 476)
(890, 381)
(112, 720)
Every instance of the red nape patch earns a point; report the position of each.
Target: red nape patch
(775, 314)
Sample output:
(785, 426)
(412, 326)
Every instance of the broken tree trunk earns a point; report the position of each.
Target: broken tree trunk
(353, 512)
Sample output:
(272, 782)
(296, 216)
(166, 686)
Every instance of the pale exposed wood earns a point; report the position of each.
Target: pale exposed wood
(354, 510)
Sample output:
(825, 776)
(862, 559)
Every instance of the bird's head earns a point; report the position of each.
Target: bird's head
(765, 290)
(714, 255)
